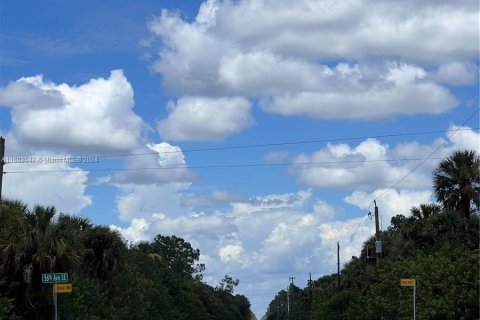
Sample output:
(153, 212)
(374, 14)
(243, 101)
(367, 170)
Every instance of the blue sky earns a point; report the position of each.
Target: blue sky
(181, 82)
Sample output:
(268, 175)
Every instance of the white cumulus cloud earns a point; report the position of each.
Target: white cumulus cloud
(141, 201)
(371, 165)
(201, 118)
(457, 73)
(95, 116)
(155, 164)
(64, 190)
(390, 202)
(281, 52)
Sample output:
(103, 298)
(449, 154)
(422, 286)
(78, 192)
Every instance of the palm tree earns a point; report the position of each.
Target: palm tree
(38, 243)
(425, 211)
(13, 213)
(457, 182)
(103, 248)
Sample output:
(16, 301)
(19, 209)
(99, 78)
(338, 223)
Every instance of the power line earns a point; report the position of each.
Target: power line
(220, 166)
(428, 157)
(276, 144)
(360, 222)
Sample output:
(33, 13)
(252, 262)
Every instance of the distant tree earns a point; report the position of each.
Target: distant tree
(147, 280)
(457, 182)
(178, 255)
(227, 284)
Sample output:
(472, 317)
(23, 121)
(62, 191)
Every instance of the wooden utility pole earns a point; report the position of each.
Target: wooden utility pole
(2, 162)
(288, 300)
(377, 224)
(290, 286)
(338, 265)
(378, 243)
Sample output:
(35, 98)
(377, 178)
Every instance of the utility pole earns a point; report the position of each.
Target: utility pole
(2, 162)
(378, 243)
(377, 225)
(310, 280)
(288, 300)
(291, 296)
(338, 265)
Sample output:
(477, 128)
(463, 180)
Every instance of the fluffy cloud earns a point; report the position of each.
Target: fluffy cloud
(390, 202)
(193, 227)
(230, 253)
(456, 138)
(217, 197)
(141, 201)
(302, 239)
(270, 202)
(323, 210)
(326, 29)
(292, 242)
(457, 73)
(362, 167)
(198, 118)
(347, 91)
(267, 235)
(274, 228)
(165, 164)
(280, 52)
(135, 231)
(377, 102)
(461, 138)
(371, 164)
(64, 190)
(95, 116)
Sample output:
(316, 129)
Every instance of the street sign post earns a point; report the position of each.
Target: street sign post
(62, 287)
(56, 279)
(410, 283)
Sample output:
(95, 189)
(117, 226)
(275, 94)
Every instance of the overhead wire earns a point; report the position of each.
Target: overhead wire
(217, 166)
(429, 156)
(275, 144)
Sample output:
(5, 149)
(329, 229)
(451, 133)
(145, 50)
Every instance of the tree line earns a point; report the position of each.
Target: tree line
(159, 279)
(436, 243)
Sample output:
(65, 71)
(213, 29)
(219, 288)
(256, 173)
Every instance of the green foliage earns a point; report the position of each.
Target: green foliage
(437, 244)
(6, 304)
(227, 284)
(178, 254)
(457, 182)
(149, 280)
(444, 265)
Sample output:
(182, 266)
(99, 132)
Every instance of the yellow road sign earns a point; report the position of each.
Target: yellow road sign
(62, 287)
(407, 282)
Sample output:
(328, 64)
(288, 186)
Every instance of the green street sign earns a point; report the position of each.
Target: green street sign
(54, 277)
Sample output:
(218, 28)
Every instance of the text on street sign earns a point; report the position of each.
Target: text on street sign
(62, 288)
(407, 282)
(54, 277)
